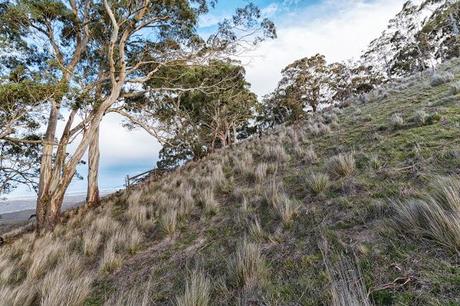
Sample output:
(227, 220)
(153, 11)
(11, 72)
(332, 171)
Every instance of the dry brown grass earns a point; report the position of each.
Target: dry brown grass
(342, 165)
(110, 261)
(274, 153)
(208, 201)
(261, 172)
(248, 266)
(66, 284)
(435, 216)
(168, 221)
(197, 291)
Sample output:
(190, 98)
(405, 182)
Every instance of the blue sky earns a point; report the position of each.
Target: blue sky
(339, 29)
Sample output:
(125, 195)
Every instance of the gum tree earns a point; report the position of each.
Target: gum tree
(101, 52)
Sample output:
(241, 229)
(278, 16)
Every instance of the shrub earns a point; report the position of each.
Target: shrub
(396, 121)
(197, 291)
(247, 266)
(342, 165)
(318, 182)
(441, 78)
(435, 216)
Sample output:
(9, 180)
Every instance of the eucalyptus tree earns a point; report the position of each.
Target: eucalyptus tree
(198, 109)
(101, 52)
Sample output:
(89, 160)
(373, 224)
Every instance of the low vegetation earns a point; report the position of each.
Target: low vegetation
(359, 214)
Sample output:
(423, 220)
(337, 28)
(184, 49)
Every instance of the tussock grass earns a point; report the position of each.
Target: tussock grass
(286, 208)
(420, 117)
(256, 231)
(454, 88)
(342, 165)
(347, 286)
(187, 202)
(248, 267)
(441, 78)
(46, 254)
(310, 155)
(318, 183)
(64, 287)
(91, 242)
(140, 214)
(319, 129)
(375, 162)
(260, 172)
(208, 201)
(275, 153)
(110, 261)
(217, 177)
(197, 291)
(134, 198)
(168, 222)
(435, 216)
(396, 121)
(244, 163)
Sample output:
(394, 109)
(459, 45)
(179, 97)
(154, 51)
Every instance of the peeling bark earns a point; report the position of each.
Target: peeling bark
(92, 197)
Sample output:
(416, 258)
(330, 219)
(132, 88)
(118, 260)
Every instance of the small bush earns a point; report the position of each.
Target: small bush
(318, 183)
(441, 78)
(342, 165)
(197, 291)
(396, 121)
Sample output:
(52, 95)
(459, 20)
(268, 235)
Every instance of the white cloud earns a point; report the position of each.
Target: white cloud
(121, 146)
(269, 10)
(339, 29)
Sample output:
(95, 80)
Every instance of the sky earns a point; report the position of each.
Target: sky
(339, 29)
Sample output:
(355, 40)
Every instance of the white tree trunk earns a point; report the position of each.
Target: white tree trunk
(92, 197)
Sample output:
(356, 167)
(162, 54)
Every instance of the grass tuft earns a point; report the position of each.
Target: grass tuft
(197, 291)
(342, 165)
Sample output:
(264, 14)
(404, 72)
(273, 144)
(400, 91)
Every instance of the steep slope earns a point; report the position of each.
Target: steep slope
(311, 214)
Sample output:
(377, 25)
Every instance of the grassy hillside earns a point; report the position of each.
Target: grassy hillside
(356, 206)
